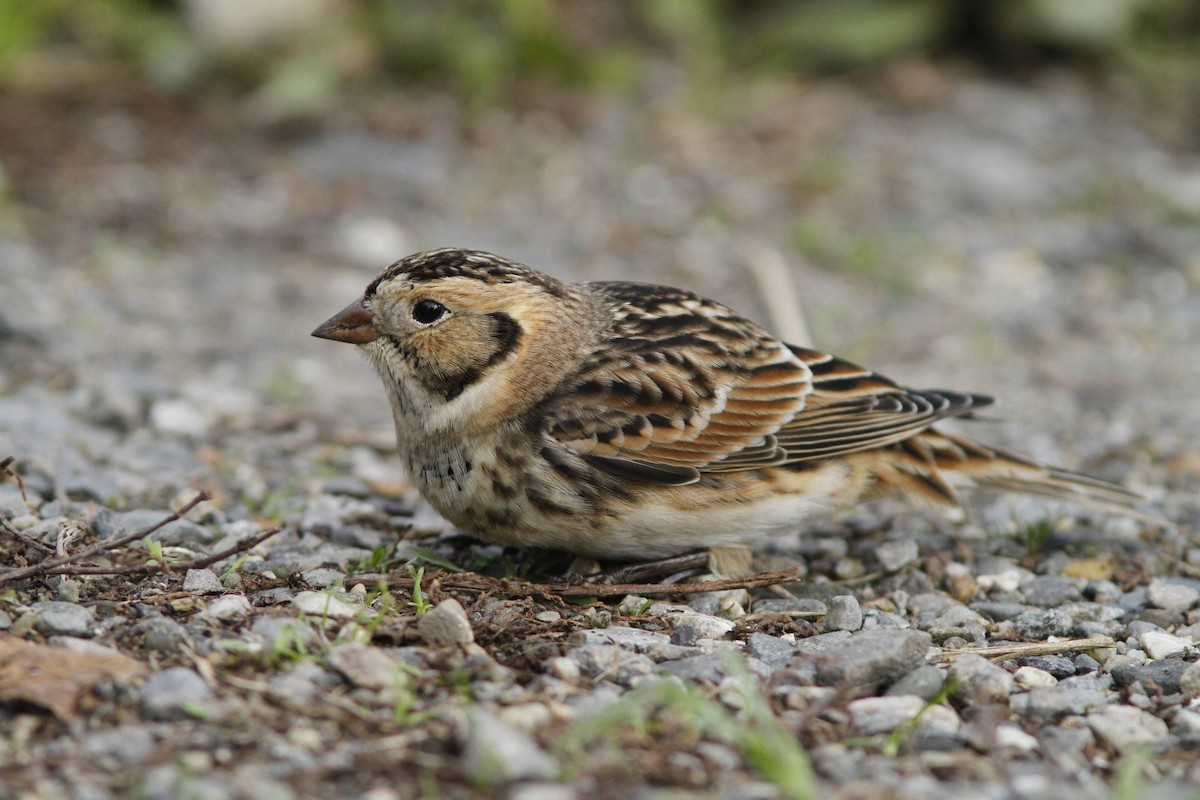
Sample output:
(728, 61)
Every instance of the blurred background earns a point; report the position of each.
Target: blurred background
(995, 196)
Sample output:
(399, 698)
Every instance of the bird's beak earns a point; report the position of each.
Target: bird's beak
(353, 324)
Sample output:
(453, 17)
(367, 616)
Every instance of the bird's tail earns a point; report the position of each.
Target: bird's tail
(958, 461)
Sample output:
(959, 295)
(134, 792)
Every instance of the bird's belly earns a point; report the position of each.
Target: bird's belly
(526, 505)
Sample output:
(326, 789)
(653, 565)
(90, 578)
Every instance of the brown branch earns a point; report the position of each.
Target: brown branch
(1005, 652)
(6, 469)
(52, 564)
(173, 566)
(29, 540)
(470, 581)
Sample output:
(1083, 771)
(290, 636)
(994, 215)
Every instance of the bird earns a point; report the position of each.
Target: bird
(629, 421)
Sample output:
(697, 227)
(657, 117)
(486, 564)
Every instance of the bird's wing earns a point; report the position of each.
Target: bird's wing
(680, 386)
(684, 386)
(852, 409)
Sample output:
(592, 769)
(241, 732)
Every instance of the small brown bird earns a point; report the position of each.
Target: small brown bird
(631, 421)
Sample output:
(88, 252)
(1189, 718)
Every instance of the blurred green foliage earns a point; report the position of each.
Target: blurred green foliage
(481, 48)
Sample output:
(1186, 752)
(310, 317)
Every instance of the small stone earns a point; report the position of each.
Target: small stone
(708, 668)
(634, 639)
(924, 682)
(847, 569)
(57, 618)
(177, 532)
(326, 605)
(870, 659)
(446, 624)
(771, 650)
(1161, 645)
(894, 556)
(169, 694)
(1000, 612)
(705, 625)
(1085, 663)
(979, 682)
(1126, 728)
(230, 606)
(161, 634)
(1162, 676)
(1057, 666)
(1189, 681)
(844, 614)
(1013, 738)
(495, 752)
(800, 605)
(1171, 596)
(1041, 625)
(565, 669)
(1008, 580)
(1055, 702)
(612, 662)
(1032, 677)
(368, 667)
(1053, 591)
(67, 591)
(324, 577)
(873, 715)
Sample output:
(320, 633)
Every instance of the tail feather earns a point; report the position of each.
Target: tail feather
(987, 467)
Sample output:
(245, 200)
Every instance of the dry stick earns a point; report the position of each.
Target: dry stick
(1004, 652)
(46, 566)
(177, 566)
(29, 540)
(472, 582)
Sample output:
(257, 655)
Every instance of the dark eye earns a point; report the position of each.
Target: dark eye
(427, 312)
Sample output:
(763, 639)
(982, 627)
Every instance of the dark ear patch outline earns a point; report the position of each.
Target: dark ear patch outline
(642, 471)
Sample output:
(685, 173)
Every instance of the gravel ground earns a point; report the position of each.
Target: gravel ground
(162, 263)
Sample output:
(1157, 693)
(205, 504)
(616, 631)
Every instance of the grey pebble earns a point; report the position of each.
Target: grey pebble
(226, 607)
(168, 694)
(123, 745)
(446, 624)
(710, 668)
(925, 682)
(202, 581)
(324, 577)
(67, 591)
(844, 614)
(1171, 596)
(1058, 666)
(1085, 664)
(1041, 625)
(58, 618)
(870, 659)
(1052, 591)
(979, 682)
(1189, 681)
(109, 524)
(635, 639)
(1126, 728)
(1000, 612)
(1165, 675)
(495, 752)
(612, 662)
(1049, 703)
(807, 605)
(822, 643)
(894, 556)
(161, 634)
(771, 650)
(368, 667)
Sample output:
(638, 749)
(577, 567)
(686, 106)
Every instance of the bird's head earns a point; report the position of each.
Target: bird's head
(463, 337)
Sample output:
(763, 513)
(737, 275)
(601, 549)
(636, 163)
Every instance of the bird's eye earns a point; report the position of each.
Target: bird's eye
(428, 312)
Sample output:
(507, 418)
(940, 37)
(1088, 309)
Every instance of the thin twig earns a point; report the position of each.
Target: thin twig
(1005, 652)
(470, 581)
(6, 469)
(52, 564)
(176, 566)
(29, 540)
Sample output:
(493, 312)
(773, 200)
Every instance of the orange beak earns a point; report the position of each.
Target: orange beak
(354, 324)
